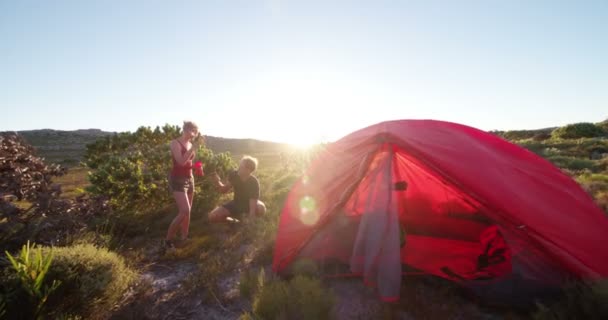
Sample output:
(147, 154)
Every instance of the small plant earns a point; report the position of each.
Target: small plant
(93, 280)
(251, 282)
(272, 300)
(247, 284)
(31, 271)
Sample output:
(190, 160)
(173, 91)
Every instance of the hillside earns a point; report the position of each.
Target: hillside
(62, 147)
(68, 147)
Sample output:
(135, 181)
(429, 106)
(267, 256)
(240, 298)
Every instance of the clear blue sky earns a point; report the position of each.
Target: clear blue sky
(301, 71)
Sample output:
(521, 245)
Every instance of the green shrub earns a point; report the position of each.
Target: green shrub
(31, 268)
(251, 282)
(271, 301)
(132, 168)
(596, 178)
(602, 165)
(601, 199)
(300, 298)
(580, 301)
(578, 130)
(304, 267)
(572, 163)
(594, 184)
(534, 146)
(93, 279)
(540, 134)
(551, 152)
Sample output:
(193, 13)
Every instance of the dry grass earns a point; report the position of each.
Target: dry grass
(73, 183)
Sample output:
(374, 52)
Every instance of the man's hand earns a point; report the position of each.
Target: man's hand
(215, 178)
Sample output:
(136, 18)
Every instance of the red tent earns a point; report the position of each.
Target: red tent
(447, 200)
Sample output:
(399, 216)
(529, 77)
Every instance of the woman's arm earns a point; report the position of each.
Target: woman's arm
(177, 154)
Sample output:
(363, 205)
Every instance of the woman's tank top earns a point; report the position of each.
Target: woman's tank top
(179, 170)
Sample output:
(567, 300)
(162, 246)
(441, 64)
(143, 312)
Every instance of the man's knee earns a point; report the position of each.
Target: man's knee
(261, 208)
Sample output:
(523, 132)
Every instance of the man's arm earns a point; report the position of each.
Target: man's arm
(222, 187)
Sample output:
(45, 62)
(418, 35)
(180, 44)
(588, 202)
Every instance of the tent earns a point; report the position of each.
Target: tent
(443, 199)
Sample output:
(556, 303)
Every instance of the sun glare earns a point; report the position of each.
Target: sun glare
(300, 107)
(301, 145)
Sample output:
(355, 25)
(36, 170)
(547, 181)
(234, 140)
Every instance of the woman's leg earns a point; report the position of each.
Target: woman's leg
(183, 207)
(185, 223)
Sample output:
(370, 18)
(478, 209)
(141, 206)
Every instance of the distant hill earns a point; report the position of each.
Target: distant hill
(541, 134)
(68, 147)
(62, 147)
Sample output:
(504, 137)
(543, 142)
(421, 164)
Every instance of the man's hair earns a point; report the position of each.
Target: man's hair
(189, 125)
(250, 162)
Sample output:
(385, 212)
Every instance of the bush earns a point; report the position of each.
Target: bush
(579, 130)
(601, 199)
(572, 163)
(540, 134)
(551, 152)
(593, 183)
(305, 267)
(93, 279)
(580, 301)
(22, 173)
(534, 146)
(251, 282)
(300, 298)
(132, 168)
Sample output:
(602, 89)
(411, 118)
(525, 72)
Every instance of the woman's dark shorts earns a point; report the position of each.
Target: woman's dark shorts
(181, 184)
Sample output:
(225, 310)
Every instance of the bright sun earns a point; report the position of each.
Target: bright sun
(299, 107)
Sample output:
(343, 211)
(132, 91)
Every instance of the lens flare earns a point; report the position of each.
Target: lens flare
(308, 211)
(305, 180)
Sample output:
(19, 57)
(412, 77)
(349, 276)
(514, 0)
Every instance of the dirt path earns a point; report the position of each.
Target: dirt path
(171, 289)
(166, 290)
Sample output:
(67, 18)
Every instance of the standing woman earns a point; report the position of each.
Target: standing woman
(181, 180)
